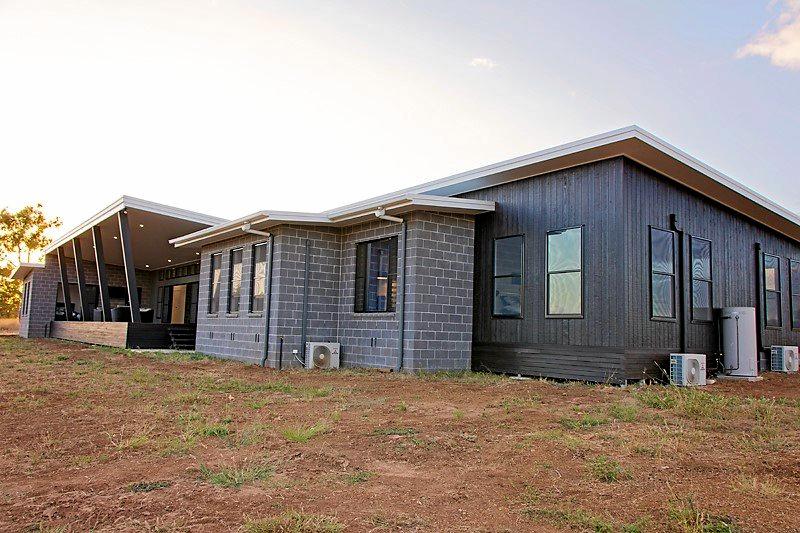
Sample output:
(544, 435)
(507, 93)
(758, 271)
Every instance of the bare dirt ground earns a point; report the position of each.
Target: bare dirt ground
(111, 440)
(9, 326)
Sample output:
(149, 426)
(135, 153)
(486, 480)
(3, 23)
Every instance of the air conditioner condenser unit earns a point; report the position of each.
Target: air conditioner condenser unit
(784, 359)
(687, 369)
(324, 355)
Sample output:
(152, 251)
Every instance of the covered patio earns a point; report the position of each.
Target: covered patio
(126, 285)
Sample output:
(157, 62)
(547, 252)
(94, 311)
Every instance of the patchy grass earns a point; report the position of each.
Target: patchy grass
(623, 412)
(359, 476)
(586, 421)
(686, 517)
(294, 522)
(303, 435)
(236, 477)
(605, 469)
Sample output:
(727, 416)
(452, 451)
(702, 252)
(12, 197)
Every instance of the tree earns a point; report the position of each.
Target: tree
(21, 234)
(24, 232)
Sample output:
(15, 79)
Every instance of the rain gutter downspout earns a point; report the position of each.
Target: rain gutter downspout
(381, 214)
(247, 228)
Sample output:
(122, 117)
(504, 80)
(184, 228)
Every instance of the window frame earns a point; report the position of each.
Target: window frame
(397, 274)
(710, 281)
(265, 245)
(779, 292)
(26, 293)
(230, 281)
(211, 269)
(673, 275)
(794, 290)
(547, 275)
(521, 276)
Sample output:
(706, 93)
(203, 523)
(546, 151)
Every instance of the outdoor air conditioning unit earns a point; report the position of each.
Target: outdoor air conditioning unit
(322, 355)
(784, 358)
(687, 369)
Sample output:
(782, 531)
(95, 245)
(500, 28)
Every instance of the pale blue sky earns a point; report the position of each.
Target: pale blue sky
(309, 105)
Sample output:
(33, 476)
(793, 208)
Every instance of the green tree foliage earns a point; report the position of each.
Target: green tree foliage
(22, 234)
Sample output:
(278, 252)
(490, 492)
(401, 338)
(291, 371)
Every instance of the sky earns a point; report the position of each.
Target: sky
(228, 107)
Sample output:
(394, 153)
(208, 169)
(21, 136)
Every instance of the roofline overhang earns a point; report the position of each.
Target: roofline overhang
(22, 271)
(396, 205)
(129, 202)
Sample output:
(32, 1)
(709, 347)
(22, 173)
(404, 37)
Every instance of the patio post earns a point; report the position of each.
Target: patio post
(130, 269)
(102, 275)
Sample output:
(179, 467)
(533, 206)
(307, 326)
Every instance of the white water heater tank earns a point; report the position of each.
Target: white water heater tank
(739, 350)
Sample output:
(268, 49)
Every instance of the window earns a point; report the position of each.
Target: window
(26, 293)
(235, 281)
(772, 290)
(794, 283)
(258, 278)
(701, 280)
(662, 273)
(564, 272)
(376, 276)
(509, 255)
(216, 272)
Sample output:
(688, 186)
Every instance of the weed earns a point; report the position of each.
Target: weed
(623, 412)
(220, 429)
(252, 434)
(689, 402)
(402, 407)
(462, 376)
(359, 476)
(148, 486)
(294, 522)
(255, 405)
(458, 415)
(765, 487)
(178, 445)
(605, 469)
(689, 519)
(133, 442)
(394, 431)
(304, 434)
(585, 422)
(236, 477)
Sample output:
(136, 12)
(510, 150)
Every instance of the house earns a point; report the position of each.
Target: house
(593, 260)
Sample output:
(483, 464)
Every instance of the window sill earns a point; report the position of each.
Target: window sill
(255, 315)
(232, 315)
(574, 317)
(376, 314)
(508, 317)
(212, 315)
(776, 328)
(702, 322)
(663, 319)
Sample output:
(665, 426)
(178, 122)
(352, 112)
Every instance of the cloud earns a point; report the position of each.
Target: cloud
(778, 41)
(482, 62)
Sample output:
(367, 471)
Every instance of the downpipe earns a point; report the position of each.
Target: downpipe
(267, 300)
(401, 289)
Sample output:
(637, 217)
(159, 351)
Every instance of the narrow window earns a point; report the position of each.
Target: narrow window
(772, 290)
(662, 273)
(235, 281)
(258, 278)
(509, 255)
(376, 276)
(564, 273)
(216, 272)
(701, 280)
(26, 292)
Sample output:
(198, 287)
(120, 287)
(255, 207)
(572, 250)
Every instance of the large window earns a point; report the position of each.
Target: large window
(509, 254)
(794, 282)
(216, 272)
(564, 273)
(772, 291)
(235, 281)
(376, 276)
(701, 280)
(662, 273)
(258, 278)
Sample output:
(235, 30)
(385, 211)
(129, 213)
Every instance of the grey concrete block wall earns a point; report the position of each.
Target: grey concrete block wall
(438, 318)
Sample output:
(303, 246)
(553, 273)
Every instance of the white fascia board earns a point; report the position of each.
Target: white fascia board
(129, 202)
(22, 271)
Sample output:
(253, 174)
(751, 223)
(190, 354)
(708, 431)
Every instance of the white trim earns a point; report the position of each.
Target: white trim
(22, 271)
(403, 203)
(129, 202)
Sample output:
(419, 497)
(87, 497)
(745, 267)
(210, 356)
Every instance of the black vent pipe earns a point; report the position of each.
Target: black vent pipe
(682, 326)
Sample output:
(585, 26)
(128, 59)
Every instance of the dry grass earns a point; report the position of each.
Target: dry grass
(9, 326)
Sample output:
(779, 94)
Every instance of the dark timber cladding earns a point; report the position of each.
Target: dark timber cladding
(650, 199)
(590, 348)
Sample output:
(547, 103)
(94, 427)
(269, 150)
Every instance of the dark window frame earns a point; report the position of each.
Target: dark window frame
(238, 299)
(651, 271)
(547, 275)
(794, 290)
(256, 246)
(211, 298)
(360, 308)
(26, 293)
(710, 280)
(521, 277)
(766, 291)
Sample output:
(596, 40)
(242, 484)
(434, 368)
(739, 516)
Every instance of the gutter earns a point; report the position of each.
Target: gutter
(381, 214)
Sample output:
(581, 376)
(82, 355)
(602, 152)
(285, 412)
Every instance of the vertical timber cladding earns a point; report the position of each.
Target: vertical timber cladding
(591, 347)
(650, 198)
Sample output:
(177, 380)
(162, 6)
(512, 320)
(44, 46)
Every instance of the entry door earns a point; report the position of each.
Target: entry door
(178, 304)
